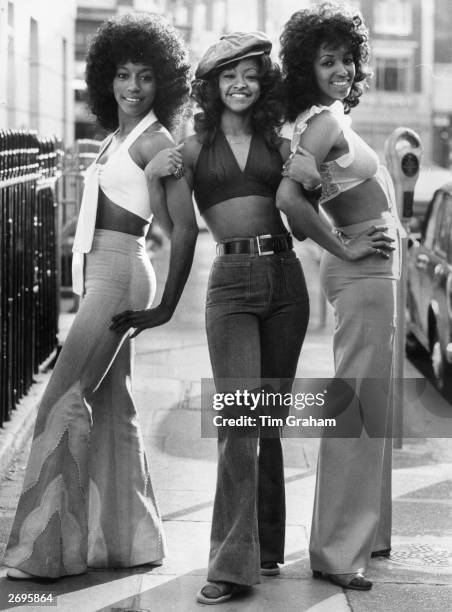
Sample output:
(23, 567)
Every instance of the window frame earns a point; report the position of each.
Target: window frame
(403, 65)
(393, 17)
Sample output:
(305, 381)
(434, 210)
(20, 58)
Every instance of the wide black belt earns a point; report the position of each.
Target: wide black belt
(256, 245)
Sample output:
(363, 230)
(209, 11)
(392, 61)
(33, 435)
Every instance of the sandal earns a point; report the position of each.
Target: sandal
(14, 573)
(355, 581)
(214, 593)
(384, 552)
(269, 568)
(156, 563)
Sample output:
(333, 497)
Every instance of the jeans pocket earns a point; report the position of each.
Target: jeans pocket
(229, 282)
(294, 281)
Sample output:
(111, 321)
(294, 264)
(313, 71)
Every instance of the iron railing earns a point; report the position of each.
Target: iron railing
(29, 302)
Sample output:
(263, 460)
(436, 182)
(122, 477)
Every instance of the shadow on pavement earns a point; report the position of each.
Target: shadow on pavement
(293, 590)
(62, 586)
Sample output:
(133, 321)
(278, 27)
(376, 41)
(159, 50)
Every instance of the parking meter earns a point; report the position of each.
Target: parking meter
(403, 152)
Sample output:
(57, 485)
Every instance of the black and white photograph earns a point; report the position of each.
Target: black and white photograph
(226, 305)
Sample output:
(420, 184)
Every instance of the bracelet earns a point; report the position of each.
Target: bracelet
(179, 172)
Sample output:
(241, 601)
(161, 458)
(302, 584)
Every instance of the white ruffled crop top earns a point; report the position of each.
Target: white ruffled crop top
(122, 181)
(351, 169)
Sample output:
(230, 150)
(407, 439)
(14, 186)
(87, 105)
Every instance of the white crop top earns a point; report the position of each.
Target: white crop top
(349, 170)
(122, 181)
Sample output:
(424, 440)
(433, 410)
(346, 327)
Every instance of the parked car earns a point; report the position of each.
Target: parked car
(429, 295)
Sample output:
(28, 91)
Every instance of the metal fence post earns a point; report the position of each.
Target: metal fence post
(28, 264)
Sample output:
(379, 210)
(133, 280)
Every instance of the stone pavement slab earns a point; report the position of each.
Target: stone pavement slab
(273, 594)
(400, 597)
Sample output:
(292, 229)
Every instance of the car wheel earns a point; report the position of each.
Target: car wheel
(442, 371)
(412, 346)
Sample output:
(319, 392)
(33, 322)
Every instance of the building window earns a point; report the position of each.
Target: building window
(215, 15)
(393, 17)
(354, 5)
(64, 118)
(81, 95)
(11, 88)
(181, 14)
(85, 30)
(443, 28)
(394, 74)
(177, 11)
(209, 15)
(34, 75)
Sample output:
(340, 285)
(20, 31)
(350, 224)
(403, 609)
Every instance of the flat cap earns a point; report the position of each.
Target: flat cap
(233, 47)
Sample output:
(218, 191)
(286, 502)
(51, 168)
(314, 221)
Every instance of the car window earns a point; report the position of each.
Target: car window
(431, 229)
(444, 226)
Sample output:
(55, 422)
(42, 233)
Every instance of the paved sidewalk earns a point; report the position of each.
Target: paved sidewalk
(169, 364)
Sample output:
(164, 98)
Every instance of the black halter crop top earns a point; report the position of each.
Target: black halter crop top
(218, 177)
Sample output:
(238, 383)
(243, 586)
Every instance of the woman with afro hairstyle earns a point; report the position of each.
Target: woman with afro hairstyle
(87, 499)
(325, 52)
(257, 305)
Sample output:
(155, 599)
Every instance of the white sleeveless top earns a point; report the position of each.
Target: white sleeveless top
(122, 181)
(354, 167)
(349, 170)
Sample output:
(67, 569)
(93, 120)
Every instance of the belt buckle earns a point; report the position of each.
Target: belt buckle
(259, 250)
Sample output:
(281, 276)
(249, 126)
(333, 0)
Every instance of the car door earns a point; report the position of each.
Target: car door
(443, 273)
(421, 264)
(448, 299)
(437, 267)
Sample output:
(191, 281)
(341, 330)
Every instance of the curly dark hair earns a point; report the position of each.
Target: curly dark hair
(267, 113)
(139, 38)
(300, 40)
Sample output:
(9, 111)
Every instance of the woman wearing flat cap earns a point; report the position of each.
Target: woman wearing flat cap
(257, 304)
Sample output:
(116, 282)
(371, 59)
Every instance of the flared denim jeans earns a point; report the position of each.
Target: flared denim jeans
(256, 315)
(87, 498)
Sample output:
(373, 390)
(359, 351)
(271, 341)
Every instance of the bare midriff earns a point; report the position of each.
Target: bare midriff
(111, 216)
(244, 217)
(361, 203)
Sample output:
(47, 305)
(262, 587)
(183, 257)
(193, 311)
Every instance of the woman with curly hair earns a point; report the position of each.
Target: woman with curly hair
(87, 499)
(325, 52)
(257, 305)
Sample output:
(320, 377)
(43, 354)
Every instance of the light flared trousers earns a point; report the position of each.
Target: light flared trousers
(352, 506)
(87, 498)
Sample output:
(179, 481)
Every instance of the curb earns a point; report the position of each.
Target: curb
(15, 433)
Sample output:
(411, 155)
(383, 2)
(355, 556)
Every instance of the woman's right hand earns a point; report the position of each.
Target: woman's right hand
(165, 163)
(301, 167)
(141, 319)
(372, 241)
